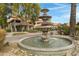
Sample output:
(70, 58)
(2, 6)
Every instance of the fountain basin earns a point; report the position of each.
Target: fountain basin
(57, 45)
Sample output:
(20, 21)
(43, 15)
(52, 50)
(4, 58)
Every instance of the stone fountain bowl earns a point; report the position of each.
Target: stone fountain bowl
(44, 28)
(57, 46)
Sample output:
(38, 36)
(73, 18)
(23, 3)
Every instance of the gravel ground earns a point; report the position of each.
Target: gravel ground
(12, 50)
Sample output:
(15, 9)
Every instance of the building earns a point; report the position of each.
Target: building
(17, 24)
(38, 22)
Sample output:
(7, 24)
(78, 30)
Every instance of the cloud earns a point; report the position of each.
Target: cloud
(65, 18)
(64, 15)
(62, 6)
(55, 8)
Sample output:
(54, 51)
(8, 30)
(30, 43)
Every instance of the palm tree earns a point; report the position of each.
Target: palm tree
(73, 19)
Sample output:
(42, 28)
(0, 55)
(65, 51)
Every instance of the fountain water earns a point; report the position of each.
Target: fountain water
(47, 44)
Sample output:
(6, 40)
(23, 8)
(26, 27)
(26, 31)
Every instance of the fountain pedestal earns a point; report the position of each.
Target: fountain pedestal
(45, 36)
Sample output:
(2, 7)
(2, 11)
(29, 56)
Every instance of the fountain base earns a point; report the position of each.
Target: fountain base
(56, 46)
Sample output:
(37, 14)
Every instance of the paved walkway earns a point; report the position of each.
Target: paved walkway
(15, 38)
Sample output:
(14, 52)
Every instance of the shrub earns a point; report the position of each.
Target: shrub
(77, 30)
(8, 30)
(77, 27)
(64, 29)
(2, 37)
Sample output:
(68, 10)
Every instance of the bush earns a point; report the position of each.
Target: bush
(8, 30)
(64, 29)
(2, 37)
(77, 30)
(77, 27)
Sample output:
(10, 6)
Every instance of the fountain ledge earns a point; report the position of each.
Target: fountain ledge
(48, 49)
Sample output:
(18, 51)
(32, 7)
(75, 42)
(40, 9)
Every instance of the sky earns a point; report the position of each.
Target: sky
(60, 12)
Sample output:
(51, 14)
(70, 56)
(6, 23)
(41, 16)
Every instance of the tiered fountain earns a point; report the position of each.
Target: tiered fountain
(45, 26)
(47, 44)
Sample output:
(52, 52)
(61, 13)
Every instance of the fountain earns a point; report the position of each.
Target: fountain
(45, 26)
(45, 44)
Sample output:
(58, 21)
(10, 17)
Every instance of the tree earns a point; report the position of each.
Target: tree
(15, 8)
(36, 11)
(28, 11)
(3, 13)
(31, 11)
(73, 19)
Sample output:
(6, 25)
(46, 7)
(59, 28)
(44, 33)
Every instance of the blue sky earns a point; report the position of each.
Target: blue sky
(60, 12)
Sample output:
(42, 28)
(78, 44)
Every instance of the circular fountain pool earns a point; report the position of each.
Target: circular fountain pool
(57, 45)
